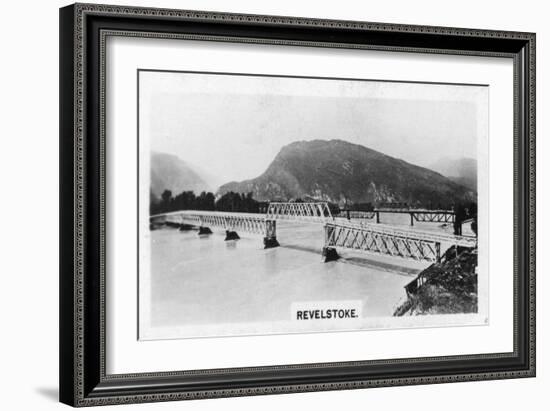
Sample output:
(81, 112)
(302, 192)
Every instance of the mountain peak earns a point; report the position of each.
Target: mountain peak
(323, 144)
(169, 172)
(341, 172)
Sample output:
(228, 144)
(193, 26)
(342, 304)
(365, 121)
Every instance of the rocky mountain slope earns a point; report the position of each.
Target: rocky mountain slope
(169, 172)
(344, 173)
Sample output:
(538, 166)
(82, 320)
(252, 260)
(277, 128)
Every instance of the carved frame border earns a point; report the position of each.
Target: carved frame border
(75, 338)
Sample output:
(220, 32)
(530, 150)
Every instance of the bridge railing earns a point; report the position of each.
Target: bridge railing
(171, 214)
(248, 222)
(357, 237)
(463, 241)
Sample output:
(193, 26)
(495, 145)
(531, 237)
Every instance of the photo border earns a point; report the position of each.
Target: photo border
(278, 76)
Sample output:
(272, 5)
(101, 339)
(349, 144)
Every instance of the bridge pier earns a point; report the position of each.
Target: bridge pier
(204, 230)
(330, 254)
(396, 244)
(270, 239)
(270, 242)
(231, 235)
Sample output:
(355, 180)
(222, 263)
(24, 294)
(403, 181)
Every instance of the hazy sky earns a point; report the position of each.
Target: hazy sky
(233, 126)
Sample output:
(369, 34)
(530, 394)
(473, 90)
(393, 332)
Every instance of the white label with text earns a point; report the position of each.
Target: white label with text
(326, 310)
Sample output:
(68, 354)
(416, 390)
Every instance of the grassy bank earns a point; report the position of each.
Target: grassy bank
(444, 288)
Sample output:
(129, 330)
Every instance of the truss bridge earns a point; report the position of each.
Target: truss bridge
(317, 212)
(369, 239)
(363, 236)
(420, 215)
(230, 222)
(349, 214)
(451, 239)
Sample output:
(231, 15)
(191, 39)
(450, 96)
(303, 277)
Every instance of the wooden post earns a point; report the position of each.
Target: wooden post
(377, 217)
(412, 219)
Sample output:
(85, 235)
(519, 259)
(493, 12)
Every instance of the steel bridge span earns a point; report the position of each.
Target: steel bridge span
(230, 222)
(420, 214)
(415, 245)
(339, 233)
(310, 212)
(349, 214)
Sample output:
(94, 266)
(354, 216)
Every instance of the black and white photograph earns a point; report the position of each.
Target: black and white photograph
(279, 204)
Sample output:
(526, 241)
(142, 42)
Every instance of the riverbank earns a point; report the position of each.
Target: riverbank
(444, 288)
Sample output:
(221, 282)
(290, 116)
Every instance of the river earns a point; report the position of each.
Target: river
(202, 285)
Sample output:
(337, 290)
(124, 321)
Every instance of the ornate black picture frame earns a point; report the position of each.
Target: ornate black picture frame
(83, 30)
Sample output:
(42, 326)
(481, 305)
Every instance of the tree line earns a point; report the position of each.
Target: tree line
(245, 203)
(205, 201)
